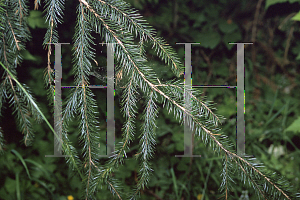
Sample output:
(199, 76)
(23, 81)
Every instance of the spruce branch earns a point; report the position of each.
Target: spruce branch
(65, 145)
(129, 110)
(134, 64)
(36, 4)
(147, 143)
(86, 104)
(23, 116)
(121, 13)
(14, 34)
(128, 96)
(54, 12)
(117, 23)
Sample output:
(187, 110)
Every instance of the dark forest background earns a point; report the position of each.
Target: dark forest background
(272, 112)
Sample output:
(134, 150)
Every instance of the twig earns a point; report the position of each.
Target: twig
(254, 27)
(153, 194)
(258, 5)
(288, 43)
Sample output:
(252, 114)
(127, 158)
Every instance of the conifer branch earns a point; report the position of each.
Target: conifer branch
(22, 115)
(88, 123)
(13, 37)
(124, 14)
(133, 67)
(113, 189)
(54, 11)
(13, 33)
(116, 23)
(147, 143)
(36, 4)
(128, 105)
(129, 95)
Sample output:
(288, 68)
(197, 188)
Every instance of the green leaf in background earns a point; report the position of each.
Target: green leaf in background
(36, 20)
(231, 37)
(296, 17)
(222, 70)
(182, 166)
(28, 56)
(298, 57)
(228, 108)
(227, 26)
(22, 160)
(75, 183)
(163, 128)
(199, 20)
(272, 2)
(295, 126)
(209, 39)
(178, 138)
(10, 185)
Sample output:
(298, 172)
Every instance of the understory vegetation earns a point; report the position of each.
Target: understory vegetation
(149, 99)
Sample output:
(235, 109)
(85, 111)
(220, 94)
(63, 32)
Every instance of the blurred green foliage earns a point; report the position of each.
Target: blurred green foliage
(272, 102)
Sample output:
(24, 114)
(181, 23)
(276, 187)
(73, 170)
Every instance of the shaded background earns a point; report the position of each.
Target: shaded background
(271, 91)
